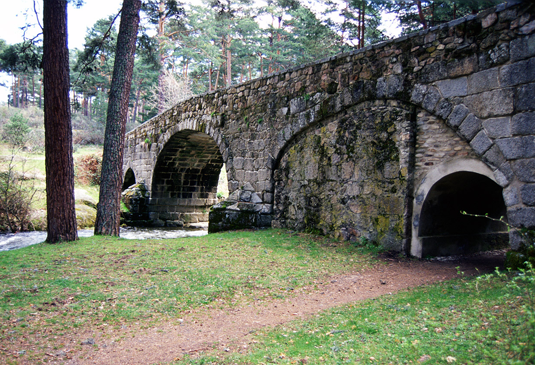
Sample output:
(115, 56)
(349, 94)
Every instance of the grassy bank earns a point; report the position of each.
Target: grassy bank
(53, 290)
(485, 320)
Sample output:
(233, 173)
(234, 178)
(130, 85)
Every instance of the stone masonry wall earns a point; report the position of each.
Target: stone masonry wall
(476, 75)
(437, 144)
(347, 177)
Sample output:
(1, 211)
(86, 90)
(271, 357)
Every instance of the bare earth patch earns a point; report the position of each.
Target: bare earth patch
(226, 329)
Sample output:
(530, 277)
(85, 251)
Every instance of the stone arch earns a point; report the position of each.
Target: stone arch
(185, 178)
(438, 226)
(129, 179)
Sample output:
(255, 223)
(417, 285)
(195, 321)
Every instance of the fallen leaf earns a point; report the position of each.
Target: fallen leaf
(450, 359)
(424, 358)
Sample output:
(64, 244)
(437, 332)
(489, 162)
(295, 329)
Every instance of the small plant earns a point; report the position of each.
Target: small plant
(88, 168)
(307, 97)
(15, 198)
(515, 259)
(16, 131)
(220, 195)
(147, 140)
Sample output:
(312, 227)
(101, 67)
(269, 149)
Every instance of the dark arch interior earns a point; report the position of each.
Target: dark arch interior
(129, 179)
(445, 231)
(185, 179)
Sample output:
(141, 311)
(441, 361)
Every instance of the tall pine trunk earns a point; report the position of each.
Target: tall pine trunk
(111, 181)
(61, 216)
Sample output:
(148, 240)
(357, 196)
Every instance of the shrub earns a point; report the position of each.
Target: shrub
(16, 131)
(15, 200)
(88, 169)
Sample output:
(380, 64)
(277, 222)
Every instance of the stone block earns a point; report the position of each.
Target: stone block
(522, 217)
(297, 105)
(518, 73)
(462, 67)
(525, 98)
(454, 87)
(504, 174)
(238, 163)
(522, 48)
(431, 99)
(435, 71)
(418, 93)
(510, 196)
(498, 127)
(524, 169)
(523, 124)
(248, 164)
(457, 116)
(527, 193)
(470, 127)
(483, 81)
(493, 103)
(443, 109)
(389, 86)
(481, 143)
(489, 20)
(528, 28)
(517, 147)
(494, 156)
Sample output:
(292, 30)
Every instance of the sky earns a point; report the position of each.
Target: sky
(16, 13)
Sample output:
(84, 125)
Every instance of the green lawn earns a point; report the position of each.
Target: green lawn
(116, 281)
(53, 290)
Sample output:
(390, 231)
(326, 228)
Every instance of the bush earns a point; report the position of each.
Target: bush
(15, 201)
(87, 170)
(16, 131)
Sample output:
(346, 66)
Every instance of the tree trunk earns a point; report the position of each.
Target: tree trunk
(161, 76)
(111, 181)
(421, 13)
(363, 24)
(136, 104)
(210, 71)
(61, 216)
(33, 90)
(40, 93)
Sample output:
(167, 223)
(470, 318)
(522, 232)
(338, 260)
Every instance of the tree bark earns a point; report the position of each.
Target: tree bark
(111, 181)
(61, 215)
(161, 75)
(421, 13)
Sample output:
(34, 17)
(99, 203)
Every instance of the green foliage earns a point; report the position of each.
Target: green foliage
(16, 131)
(434, 12)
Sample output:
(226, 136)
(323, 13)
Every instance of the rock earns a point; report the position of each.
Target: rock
(82, 197)
(85, 216)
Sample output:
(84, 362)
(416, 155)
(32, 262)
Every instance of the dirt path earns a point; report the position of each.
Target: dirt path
(228, 330)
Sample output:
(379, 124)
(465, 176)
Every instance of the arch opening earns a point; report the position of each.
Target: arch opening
(185, 181)
(129, 179)
(444, 230)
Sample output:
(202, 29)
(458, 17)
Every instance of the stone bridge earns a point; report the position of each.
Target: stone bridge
(387, 144)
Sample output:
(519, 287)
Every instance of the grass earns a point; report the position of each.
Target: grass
(485, 320)
(53, 288)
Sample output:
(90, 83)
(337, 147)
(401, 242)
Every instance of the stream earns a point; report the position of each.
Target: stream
(12, 241)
